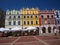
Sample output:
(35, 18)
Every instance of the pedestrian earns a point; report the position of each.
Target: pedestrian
(55, 31)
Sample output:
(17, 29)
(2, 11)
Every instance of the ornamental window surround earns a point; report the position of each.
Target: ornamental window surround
(14, 22)
(28, 22)
(42, 16)
(18, 22)
(52, 16)
(24, 22)
(31, 22)
(9, 22)
(48, 21)
(35, 16)
(18, 16)
(31, 16)
(36, 22)
(9, 17)
(27, 16)
(14, 17)
(24, 16)
(47, 16)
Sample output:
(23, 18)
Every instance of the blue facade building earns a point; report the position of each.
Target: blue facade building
(57, 15)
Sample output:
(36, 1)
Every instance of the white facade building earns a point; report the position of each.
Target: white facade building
(13, 19)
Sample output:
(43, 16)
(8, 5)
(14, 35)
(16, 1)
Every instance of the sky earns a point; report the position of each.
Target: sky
(19, 4)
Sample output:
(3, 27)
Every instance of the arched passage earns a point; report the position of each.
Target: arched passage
(43, 29)
(54, 28)
(59, 29)
(49, 29)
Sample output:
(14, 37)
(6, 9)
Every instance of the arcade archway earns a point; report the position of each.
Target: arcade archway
(43, 29)
(49, 29)
(59, 29)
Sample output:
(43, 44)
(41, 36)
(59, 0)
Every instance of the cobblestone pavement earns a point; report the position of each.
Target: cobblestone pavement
(30, 40)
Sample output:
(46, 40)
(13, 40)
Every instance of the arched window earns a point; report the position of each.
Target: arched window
(14, 23)
(18, 22)
(18, 16)
(31, 16)
(42, 16)
(27, 16)
(52, 16)
(9, 17)
(35, 16)
(47, 16)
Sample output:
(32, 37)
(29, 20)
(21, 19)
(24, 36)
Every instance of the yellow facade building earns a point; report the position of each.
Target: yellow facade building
(30, 17)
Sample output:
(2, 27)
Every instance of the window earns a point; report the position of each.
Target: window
(52, 16)
(9, 23)
(27, 16)
(52, 21)
(57, 16)
(18, 22)
(48, 21)
(9, 17)
(42, 21)
(24, 16)
(58, 21)
(31, 22)
(42, 16)
(24, 22)
(47, 16)
(35, 16)
(31, 16)
(36, 22)
(28, 22)
(14, 23)
(18, 16)
(56, 13)
(14, 17)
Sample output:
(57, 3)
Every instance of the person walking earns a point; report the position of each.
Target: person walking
(55, 31)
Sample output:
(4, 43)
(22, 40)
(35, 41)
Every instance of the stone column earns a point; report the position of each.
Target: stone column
(40, 30)
(46, 29)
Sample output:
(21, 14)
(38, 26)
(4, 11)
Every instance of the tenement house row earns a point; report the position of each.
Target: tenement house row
(45, 20)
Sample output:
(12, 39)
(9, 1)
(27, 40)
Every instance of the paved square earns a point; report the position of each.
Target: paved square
(30, 40)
